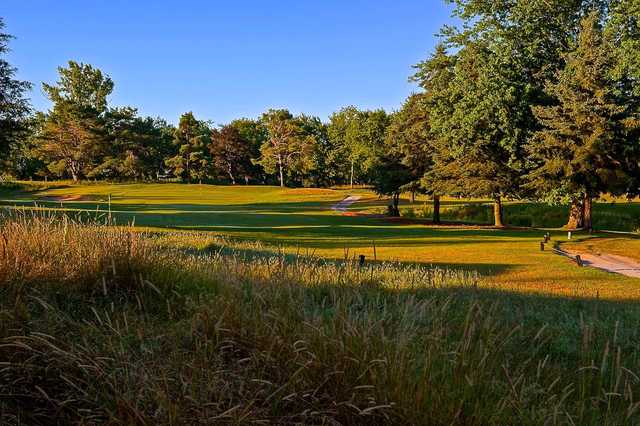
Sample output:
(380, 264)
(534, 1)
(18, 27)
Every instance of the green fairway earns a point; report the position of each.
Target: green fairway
(294, 219)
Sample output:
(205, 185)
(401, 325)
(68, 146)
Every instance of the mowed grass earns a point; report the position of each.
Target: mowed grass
(301, 221)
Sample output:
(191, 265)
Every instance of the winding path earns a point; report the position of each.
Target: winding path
(343, 205)
(612, 263)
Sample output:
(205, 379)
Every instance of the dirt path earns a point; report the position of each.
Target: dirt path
(343, 205)
(611, 263)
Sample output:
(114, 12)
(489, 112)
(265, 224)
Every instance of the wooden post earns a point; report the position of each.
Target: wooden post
(375, 256)
(579, 260)
(361, 262)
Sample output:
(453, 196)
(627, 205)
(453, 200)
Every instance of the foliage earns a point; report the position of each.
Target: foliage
(389, 177)
(287, 149)
(14, 107)
(231, 153)
(191, 139)
(409, 136)
(359, 137)
(585, 140)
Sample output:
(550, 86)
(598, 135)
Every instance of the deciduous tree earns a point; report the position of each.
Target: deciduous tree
(287, 148)
(73, 135)
(231, 153)
(409, 135)
(360, 136)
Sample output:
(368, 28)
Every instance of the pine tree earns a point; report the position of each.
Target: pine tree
(193, 160)
(14, 107)
(584, 141)
(409, 134)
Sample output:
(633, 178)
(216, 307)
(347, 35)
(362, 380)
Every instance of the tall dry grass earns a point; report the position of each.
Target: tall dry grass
(106, 325)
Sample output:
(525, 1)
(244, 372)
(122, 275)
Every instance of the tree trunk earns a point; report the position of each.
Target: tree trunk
(396, 201)
(233, 179)
(413, 197)
(576, 215)
(352, 168)
(74, 170)
(436, 209)
(587, 215)
(498, 214)
(281, 171)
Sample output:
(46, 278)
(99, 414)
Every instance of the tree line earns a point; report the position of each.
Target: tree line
(535, 99)
(83, 137)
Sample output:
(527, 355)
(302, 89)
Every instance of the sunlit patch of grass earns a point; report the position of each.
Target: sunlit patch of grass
(300, 220)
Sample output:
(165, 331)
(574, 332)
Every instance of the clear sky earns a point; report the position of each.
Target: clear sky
(230, 59)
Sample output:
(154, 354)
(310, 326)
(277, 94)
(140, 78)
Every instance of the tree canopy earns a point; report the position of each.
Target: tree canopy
(14, 106)
(521, 99)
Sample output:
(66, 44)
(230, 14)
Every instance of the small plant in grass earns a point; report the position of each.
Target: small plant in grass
(410, 213)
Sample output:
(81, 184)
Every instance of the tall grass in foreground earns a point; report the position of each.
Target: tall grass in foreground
(106, 325)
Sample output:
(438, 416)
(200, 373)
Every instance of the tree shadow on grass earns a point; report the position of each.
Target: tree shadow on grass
(307, 254)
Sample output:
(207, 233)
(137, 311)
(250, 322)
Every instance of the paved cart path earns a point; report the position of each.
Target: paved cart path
(343, 205)
(611, 263)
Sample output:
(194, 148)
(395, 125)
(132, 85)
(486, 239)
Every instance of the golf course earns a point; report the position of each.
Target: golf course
(304, 219)
(320, 213)
(153, 300)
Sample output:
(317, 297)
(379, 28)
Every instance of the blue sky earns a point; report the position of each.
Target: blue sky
(230, 59)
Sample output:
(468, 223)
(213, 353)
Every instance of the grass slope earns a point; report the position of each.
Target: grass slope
(295, 220)
(301, 219)
(106, 325)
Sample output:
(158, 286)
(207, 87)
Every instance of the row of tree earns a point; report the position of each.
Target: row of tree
(535, 99)
(83, 137)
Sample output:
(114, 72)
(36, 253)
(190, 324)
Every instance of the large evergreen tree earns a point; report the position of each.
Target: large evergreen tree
(585, 140)
(14, 107)
(191, 139)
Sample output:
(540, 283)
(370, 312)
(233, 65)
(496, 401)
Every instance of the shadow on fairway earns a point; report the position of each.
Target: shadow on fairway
(298, 221)
(307, 254)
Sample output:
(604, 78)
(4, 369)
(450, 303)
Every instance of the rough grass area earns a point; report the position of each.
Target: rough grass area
(107, 325)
